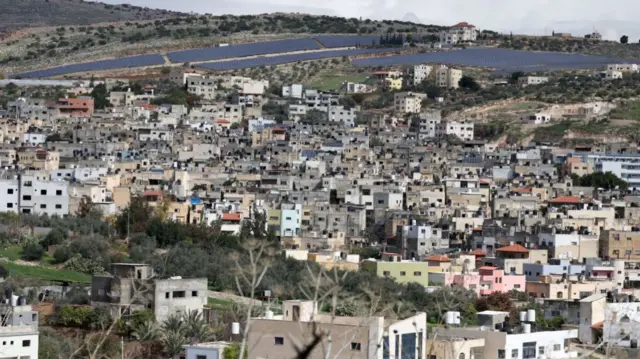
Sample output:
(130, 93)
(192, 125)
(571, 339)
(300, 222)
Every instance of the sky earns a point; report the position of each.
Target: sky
(534, 17)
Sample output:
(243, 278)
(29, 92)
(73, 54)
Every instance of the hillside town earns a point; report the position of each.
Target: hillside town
(202, 214)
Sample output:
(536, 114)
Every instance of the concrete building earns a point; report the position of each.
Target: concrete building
(448, 77)
(532, 80)
(75, 107)
(29, 194)
(415, 75)
(280, 336)
(121, 290)
(34, 139)
(290, 219)
(204, 87)
(609, 75)
(19, 329)
(353, 87)
(619, 245)
(458, 33)
(292, 91)
(622, 67)
(342, 114)
(625, 166)
(209, 350)
(486, 281)
(461, 129)
(408, 102)
(535, 118)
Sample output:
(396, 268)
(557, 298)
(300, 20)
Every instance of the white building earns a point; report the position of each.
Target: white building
(427, 124)
(532, 80)
(30, 194)
(292, 91)
(449, 78)
(180, 76)
(625, 166)
(535, 118)
(461, 32)
(257, 124)
(290, 219)
(155, 134)
(610, 75)
(342, 114)
(623, 67)
(352, 87)
(34, 139)
(314, 98)
(415, 75)
(19, 330)
(462, 129)
(621, 323)
(79, 174)
(408, 102)
(212, 350)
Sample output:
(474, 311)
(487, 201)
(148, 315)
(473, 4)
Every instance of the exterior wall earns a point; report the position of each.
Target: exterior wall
(402, 272)
(19, 342)
(179, 296)
(290, 220)
(532, 80)
(620, 245)
(450, 349)
(203, 352)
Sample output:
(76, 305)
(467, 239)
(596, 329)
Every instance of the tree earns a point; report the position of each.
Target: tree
(32, 252)
(134, 218)
(173, 342)
(624, 39)
(146, 331)
(233, 352)
(467, 82)
(513, 79)
(54, 237)
(86, 209)
(196, 329)
(606, 180)
(100, 96)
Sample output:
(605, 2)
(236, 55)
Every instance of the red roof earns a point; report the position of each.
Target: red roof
(514, 248)
(463, 24)
(478, 252)
(438, 258)
(231, 217)
(566, 199)
(222, 120)
(487, 268)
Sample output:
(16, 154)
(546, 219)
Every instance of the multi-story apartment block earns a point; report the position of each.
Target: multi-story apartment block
(461, 32)
(448, 77)
(19, 329)
(462, 129)
(408, 102)
(33, 194)
(75, 107)
(292, 91)
(415, 75)
(625, 166)
(342, 114)
(616, 244)
(204, 87)
(622, 67)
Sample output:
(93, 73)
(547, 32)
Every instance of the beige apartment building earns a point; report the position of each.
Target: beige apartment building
(408, 102)
(447, 77)
(620, 245)
(280, 336)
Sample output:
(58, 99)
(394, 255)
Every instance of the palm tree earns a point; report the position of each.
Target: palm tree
(146, 331)
(174, 324)
(173, 342)
(196, 329)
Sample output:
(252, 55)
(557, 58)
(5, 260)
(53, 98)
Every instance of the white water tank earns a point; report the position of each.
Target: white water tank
(269, 314)
(235, 328)
(531, 315)
(523, 316)
(526, 328)
(448, 318)
(14, 300)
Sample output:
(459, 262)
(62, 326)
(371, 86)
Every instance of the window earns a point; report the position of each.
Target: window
(26, 343)
(179, 294)
(501, 354)
(43, 192)
(541, 350)
(28, 183)
(556, 347)
(26, 198)
(58, 192)
(166, 295)
(386, 273)
(403, 273)
(514, 353)
(9, 205)
(517, 286)
(279, 341)
(417, 274)
(355, 346)
(194, 293)
(10, 191)
(201, 357)
(58, 206)
(43, 206)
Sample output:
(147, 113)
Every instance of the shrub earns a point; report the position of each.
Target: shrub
(32, 252)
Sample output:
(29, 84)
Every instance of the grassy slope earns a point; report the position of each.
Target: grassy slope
(43, 271)
(334, 82)
(21, 13)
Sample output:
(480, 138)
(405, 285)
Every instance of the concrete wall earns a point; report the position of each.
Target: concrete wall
(179, 296)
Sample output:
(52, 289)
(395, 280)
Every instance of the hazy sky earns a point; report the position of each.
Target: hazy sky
(531, 17)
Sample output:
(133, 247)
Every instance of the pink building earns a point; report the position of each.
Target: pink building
(486, 280)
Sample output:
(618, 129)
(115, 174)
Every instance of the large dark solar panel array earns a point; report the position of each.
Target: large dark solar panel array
(242, 50)
(345, 41)
(501, 59)
(132, 61)
(283, 59)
